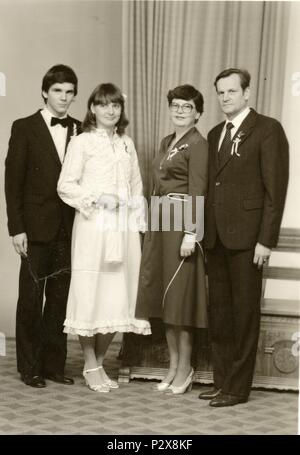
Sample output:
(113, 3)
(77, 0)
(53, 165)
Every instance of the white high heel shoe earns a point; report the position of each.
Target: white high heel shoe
(185, 387)
(164, 385)
(104, 388)
(109, 382)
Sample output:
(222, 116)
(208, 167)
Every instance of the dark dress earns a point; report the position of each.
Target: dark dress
(171, 287)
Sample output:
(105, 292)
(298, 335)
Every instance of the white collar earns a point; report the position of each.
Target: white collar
(238, 120)
(48, 115)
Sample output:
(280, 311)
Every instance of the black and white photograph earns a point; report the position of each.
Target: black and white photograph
(150, 223)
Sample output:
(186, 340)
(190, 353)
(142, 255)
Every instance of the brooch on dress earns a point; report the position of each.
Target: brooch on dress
(125, 145)
(172, 153)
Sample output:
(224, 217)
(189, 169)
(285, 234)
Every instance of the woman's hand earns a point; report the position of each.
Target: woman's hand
(109, 201)
(188, 245)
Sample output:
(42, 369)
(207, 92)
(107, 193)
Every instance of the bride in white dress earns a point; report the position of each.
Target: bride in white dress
(101, 179)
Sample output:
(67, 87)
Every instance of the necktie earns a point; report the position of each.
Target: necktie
(226, 142)
(64, 122)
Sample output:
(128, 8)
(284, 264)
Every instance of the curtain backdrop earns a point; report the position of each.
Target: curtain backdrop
(167, 43)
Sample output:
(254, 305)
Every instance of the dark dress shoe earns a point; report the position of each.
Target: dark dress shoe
(223, 400)
(33, 381)
(209, 394)
(60, 378)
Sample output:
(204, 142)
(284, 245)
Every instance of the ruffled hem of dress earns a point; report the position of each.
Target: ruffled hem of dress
(83, 330)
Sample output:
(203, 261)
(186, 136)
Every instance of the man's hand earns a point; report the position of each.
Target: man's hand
(20, 243)
(261, 255)
(188, 245)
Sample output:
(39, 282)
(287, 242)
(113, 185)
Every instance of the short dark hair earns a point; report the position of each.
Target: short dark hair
(59, 74)
(187, 92)
(103, 94)
(243, 74)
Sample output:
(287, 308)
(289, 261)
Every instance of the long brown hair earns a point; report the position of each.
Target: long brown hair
(104, 94)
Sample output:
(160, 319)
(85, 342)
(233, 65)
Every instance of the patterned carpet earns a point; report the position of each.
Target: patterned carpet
(133, 409)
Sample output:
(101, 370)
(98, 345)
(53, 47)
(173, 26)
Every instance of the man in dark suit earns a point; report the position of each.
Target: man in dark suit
(40, 225)
(248, 176)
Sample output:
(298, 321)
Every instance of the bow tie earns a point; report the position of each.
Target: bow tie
(64, 122)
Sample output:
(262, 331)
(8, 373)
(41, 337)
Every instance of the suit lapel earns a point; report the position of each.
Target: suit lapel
(41, 130)
(191, 136)
(70, 132)
(247, 126)
(215, 144)
(243, 132)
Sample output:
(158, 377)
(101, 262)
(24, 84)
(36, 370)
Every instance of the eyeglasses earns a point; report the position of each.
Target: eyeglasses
(186, 108)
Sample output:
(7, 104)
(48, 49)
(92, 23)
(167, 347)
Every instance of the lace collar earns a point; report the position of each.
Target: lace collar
(102, 132)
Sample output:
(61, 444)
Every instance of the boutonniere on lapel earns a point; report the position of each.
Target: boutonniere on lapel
(235, 143)
(74, 130)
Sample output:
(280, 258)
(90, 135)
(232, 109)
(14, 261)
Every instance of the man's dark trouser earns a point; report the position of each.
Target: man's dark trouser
(235, 286)
(41, 343)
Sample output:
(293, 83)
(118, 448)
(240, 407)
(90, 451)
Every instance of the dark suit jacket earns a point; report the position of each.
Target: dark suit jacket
(246, 193)
(32, 169)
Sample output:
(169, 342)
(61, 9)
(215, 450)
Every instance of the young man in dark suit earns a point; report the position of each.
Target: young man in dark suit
(248, 177)
(40, 225)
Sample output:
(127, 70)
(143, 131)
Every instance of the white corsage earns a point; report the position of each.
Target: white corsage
(172, 153)
(235, 144)
(176, 150)
(126, 147)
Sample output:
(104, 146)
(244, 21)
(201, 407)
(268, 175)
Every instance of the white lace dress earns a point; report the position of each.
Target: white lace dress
(106, 249)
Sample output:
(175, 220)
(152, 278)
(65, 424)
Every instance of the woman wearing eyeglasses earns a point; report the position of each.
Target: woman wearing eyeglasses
(172, 276)
(100, 177)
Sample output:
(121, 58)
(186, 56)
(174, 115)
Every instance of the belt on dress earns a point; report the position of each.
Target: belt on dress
(178, 196)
